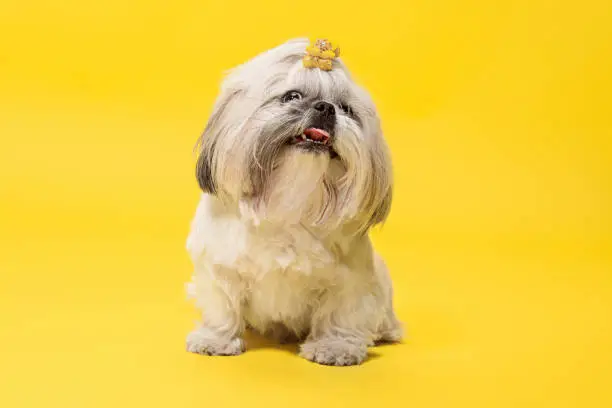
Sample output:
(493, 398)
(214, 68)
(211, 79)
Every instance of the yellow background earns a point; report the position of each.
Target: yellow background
(498, 116)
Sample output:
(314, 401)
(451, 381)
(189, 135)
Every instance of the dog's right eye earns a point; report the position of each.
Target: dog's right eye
(291, 96)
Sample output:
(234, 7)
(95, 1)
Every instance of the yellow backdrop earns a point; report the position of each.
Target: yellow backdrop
(498, 116)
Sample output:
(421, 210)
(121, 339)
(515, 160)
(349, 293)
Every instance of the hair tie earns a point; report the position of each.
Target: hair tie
(320, 55)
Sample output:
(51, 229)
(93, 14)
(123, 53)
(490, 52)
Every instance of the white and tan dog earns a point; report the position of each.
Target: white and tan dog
(295, 171)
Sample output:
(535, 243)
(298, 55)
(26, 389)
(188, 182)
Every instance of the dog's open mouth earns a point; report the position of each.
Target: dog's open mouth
(315, 140)
(314, 135)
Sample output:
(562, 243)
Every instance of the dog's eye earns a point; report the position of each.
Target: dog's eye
(346, 109)
(291, 96)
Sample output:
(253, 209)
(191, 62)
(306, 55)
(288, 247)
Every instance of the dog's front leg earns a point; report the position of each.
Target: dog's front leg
(222, 325)
(342, 327)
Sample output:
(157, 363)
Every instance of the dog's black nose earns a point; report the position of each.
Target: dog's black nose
(325, 108)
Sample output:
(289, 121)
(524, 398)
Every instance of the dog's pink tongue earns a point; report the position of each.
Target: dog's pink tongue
(315, 134)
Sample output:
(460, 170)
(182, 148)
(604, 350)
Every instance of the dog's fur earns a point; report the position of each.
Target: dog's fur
(279, 240)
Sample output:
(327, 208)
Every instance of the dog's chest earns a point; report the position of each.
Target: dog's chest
(286, 296)
(285, 271)
(235, 242)
(286, 250)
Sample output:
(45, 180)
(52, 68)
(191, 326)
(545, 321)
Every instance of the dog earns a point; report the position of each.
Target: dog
(294, 171)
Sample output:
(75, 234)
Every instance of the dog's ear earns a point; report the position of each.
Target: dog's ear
(206, 166)
(381, 188)
(382, 210)
(381, 205)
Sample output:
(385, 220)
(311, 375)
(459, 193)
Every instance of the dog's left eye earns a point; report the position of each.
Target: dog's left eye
(347, 109)
(291, 96)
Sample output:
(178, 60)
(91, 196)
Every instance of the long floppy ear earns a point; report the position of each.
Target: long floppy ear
(381, 212)
(206, 166)
(379, 201)
(204, 169)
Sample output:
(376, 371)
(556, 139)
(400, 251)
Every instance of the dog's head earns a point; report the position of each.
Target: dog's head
(296, 143)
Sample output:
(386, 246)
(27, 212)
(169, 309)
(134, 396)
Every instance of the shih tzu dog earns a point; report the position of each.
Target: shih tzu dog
(294, 171)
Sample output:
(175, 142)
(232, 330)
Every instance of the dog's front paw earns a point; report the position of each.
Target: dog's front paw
(203, 341)
(335, 352)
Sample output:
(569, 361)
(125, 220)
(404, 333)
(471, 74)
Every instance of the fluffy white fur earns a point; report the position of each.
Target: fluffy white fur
(279, 240)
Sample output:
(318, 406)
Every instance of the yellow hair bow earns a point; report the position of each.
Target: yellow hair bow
(320, 55)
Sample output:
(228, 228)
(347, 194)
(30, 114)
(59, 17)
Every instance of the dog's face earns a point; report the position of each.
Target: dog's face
(296, 143)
